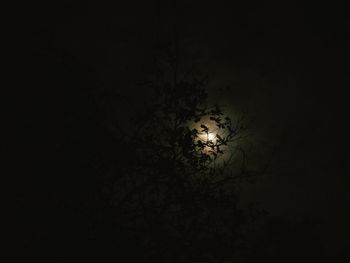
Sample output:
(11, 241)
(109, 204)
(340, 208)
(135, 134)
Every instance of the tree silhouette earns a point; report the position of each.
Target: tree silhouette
(163, 190)
(175, 188)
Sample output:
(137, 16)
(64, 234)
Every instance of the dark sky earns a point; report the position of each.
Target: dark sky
(286, 64)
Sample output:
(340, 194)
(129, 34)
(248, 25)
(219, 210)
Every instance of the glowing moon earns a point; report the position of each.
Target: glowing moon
(211, 136)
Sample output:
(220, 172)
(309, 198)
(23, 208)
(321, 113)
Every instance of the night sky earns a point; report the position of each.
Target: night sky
(77, 67)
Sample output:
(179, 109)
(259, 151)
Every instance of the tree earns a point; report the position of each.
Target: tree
(175, 194)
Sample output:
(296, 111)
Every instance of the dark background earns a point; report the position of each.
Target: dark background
(286, 64)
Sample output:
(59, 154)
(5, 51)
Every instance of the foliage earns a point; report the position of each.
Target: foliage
(176, 196)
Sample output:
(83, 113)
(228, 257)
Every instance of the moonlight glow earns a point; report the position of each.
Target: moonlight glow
(210, 137)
